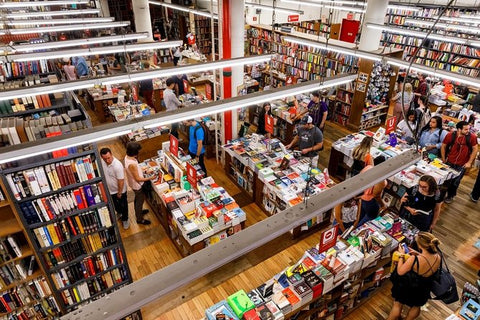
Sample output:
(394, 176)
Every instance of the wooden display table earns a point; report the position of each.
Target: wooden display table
(99, 102)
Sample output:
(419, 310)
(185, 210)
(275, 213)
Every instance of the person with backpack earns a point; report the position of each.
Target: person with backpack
(422, 114)
(459, 149)
(196, 147)
(432, 135)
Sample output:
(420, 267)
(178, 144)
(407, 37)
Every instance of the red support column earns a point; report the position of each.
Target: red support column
(227, 72)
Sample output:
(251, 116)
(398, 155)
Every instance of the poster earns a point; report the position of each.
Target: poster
(390, 125)
(269, 123)
(173, 145)
(191, 175)
(328, 239)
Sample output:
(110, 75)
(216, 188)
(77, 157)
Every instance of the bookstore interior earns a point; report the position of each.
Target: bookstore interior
(340, 142)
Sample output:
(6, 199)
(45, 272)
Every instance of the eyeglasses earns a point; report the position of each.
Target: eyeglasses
(423, 186)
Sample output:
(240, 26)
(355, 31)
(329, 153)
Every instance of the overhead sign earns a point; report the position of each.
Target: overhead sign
(293, 18)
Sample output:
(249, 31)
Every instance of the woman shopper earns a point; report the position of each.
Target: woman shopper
(372, 202)
(266, 110)
(347, 214)
(413, 277)
(422, 204)
(407, 127)
(361, 155)
(402, 101)
(432, 135)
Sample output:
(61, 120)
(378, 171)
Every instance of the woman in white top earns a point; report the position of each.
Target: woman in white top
(402, 101)
(136, 180)
(404, 130)
(347, 214)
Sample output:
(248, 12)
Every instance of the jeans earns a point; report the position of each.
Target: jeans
(138, 204)
(476, 187)
(121, 205)
(201, 161)
(454, 183)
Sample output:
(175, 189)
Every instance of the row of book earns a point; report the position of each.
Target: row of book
(88, 267)
(15, 130)
(17, 271)
(19, 69)
(75, 248)
(62, 204)
(25, 103)
(85, 290)
(447, 57)
(62, 231)
(52, 177)
(466, 70)
(9, 249)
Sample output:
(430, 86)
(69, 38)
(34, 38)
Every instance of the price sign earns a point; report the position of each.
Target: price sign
(328, 239)
(173, 145)
(390, 124)
(191, 175)
(269, 123)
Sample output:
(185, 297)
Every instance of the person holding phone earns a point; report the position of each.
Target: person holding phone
(422, 204)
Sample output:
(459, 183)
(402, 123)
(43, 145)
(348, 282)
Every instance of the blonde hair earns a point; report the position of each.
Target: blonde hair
(408, 88)
(363, 148)
(428, 241)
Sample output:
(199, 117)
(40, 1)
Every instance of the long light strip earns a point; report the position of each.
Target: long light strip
(66, 28)
(334, 48)
(26, 4)
(184, 9)
(400, 7)
(17, 152)
(58, 21)
(468, 16)
(270, 8)
(73, 43)
(136, 76)
(316, 4)
(337, 2)
(465, 19)
(442, 25)
(94, 51)
(19, 15)
(420, 34)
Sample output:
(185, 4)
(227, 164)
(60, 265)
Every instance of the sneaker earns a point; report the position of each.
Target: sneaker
(126, 224)
(473, 199)
(145, 211)
(144, 222)
(448, 200)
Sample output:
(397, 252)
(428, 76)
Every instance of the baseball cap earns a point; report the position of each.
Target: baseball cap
(306, 119)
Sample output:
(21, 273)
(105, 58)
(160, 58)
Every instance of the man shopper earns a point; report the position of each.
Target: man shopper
(309, 139)
(459, 149)
(171, 102)
(115, 176)
(318, 110)
(196, 149)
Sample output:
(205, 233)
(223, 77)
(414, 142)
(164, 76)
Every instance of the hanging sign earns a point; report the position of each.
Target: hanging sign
(191, 175)
(390, 124)
(208, 91)
(293, 18)
(328, 238)
(269, 123)
(186, 89)
(174, 145)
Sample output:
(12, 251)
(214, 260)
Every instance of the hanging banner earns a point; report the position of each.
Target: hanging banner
(390, 124)
(174, 145)
(269, 123)
(328, 239)
(191, 175)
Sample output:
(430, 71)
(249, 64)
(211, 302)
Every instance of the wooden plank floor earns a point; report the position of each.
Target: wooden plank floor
(149, 249)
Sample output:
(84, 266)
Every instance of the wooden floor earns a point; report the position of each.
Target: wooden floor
(149, 249)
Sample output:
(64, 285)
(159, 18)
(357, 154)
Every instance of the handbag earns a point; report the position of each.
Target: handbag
(444, 286)
(147, 187)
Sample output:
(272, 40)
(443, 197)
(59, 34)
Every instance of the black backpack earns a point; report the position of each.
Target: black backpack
(207, 135)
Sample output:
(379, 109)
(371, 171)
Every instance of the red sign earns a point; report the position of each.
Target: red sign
(135, 93)
(173, 145)
(191, 175)
(185, 86)
(208, 91)
(290, 80)
(390, 124)
(328, 238)
(269, 122)
(293, 18)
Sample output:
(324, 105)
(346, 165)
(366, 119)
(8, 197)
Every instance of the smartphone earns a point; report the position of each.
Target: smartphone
(405, 247)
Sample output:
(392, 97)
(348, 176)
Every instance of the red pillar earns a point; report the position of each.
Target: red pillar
(227, 72)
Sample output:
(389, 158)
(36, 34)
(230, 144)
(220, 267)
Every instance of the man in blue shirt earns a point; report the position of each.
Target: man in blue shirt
(195, 145)
(81, 66)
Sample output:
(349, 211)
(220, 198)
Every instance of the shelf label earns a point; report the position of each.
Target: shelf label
(390, 124)
(191, 175)
(174, 145)
(293, 18)
(328, 238)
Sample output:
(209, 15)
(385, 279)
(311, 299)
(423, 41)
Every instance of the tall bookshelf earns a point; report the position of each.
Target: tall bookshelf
(435, 53)
(203, 34)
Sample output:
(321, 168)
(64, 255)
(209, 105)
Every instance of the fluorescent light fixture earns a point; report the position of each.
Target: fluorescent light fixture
(465, 19)
(58, 21)
(26, 4)
(270, 8)
(136, 76)
(92, 139)
(74, 43)
(94, 51)
(469, 16)
(350, 3)
(406, 8)
(19, 15)
(66, 28)
(316, 4)
(334, 48)
(435, 72)
(252, 99)
(185, 9)
(442, 25)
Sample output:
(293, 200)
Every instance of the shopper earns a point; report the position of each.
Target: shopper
(422, 113)
(177, 55)
(309, 139)
(422, 88)
(475, 194)
(171, 102)
(402, 102)
(432, 135)
(266, 110)
(180, 81)
(113, 66)
(372, 202)
(476, 103)
(136, 180)
(422, 204)
(459, 149)
(81, 66)
(115, 176)
(196, 149)
(407, 128)
(69, 70)
(361, 155)
(413, 277)
(347, 214)
(318, 110)
(146, 89)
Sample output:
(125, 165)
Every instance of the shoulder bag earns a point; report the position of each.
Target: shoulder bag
(444, 286)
